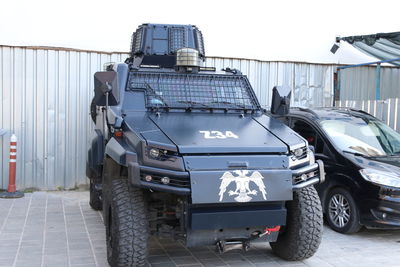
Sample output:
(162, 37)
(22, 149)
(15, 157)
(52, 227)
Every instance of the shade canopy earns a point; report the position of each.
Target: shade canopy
(384, 46)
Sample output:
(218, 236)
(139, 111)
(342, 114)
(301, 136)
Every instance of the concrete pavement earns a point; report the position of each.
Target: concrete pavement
(60, 229)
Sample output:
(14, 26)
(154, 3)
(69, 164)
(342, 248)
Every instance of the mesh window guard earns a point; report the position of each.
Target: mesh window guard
(174, 90)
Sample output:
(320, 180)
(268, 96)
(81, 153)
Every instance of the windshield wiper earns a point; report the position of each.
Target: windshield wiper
(356, 154)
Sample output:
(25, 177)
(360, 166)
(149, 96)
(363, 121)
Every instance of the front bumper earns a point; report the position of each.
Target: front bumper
(383, 212)
(180, 181)
(308, 175)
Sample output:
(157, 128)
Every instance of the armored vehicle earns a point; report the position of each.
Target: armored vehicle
(186, 151)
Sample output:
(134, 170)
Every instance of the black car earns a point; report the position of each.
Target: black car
(362, 162)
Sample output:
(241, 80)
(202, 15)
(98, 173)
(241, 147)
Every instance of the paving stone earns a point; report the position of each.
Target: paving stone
(178, 253)
(268, 264)
(68, 238)
(205, 255)
(184, 260)
(212, 262)
(159, 259)
(74, 260)
(232, 257)
(163, 264)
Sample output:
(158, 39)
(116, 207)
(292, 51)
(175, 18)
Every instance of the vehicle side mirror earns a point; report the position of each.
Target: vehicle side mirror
(281, 100)
(106, 82)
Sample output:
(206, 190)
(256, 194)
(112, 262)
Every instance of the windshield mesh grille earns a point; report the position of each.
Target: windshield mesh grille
(174, 90)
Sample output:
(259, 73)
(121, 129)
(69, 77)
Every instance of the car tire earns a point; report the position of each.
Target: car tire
(126, 225)
(342, 213)
(301, 236)
(95, 200)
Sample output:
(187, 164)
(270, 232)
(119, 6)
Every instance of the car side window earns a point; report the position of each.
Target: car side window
(309, 133)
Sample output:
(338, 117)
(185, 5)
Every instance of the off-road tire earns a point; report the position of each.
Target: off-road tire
(126, 225)
(301, 236)
(95, 200)
(353, 225)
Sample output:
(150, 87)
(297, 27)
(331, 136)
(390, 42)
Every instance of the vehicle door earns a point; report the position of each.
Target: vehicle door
(323, 150)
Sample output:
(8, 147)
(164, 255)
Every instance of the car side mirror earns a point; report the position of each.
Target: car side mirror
(105, 82)
(281, 100)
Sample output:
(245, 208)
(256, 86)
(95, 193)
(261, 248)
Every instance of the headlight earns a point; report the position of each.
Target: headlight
(381, 177)
(297, 158)
(159, 154)
(154, 153)
(298, 152)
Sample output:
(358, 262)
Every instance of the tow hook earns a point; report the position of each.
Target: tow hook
(221, 245)
(268, 231)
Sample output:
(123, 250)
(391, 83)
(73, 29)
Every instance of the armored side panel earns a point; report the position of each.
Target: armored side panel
(157, 43)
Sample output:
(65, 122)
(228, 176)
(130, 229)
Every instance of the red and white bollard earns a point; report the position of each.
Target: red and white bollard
(12, 189)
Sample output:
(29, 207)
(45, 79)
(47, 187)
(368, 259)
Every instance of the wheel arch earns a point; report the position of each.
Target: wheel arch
(338, 181)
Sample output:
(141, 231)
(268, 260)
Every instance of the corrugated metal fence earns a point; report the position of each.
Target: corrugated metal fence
(45, 95)
(359, 83)
(386, 110)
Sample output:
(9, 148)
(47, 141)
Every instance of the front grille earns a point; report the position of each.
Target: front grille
(301, 178)
(173, 181)
(390, 192)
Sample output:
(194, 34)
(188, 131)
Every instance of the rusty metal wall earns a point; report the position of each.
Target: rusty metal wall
(45, 95)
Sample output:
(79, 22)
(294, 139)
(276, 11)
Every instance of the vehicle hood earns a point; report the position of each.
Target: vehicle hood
(389, 163)
(217, 133)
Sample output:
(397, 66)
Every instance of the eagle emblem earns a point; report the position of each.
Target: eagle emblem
(242, 181)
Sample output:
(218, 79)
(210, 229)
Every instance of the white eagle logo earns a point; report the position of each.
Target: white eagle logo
(242, 185)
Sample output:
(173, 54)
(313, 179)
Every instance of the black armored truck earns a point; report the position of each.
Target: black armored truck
(186, 151)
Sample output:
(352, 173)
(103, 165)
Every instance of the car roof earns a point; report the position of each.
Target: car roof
(329, 113)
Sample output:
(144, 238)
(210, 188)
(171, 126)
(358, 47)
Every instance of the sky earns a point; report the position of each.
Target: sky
(280, 30)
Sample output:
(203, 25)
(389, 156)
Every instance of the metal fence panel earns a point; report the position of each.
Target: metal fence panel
(386, 110)
(45, 95)
(359, 83)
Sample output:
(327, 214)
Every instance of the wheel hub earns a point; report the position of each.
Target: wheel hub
(339, 210)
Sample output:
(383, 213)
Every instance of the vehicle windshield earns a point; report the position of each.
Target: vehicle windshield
(176, 90)
(366, 136)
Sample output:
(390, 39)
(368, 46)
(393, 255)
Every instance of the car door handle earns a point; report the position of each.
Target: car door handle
(240, 164)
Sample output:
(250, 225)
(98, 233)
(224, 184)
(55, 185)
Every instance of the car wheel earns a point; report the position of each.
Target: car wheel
(126, 225)
(301, 236)
(342, 213)
(95, 200)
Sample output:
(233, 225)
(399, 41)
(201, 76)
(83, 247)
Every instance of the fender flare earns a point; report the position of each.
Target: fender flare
(120, 152)
(95, 157)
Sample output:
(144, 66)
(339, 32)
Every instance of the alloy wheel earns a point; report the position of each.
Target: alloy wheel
(339, 210)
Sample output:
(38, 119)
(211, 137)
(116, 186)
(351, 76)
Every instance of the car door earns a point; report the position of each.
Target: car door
(322, 148)
(314, 138)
